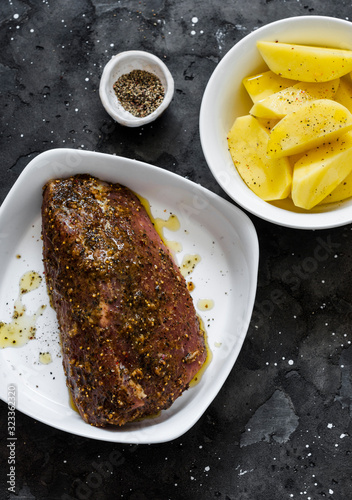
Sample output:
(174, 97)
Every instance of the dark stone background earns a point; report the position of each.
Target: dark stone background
(280, 428)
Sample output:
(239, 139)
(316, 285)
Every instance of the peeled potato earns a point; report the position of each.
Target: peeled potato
(305, 63)
(312, 124)
(317, 173)
(269, 179)
(295, 144)
(264, 84)
(291, 99)
(344, 94)
(341, 192)
(268, 123)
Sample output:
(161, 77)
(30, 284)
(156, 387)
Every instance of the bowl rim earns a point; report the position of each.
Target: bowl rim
(337, 214)
(138, 59)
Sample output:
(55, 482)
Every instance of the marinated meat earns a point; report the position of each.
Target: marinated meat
(131, 339)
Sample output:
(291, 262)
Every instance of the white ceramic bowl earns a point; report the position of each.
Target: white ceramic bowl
(225, 99)
(125, 62)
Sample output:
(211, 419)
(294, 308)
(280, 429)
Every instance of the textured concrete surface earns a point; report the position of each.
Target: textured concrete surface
(280, 428)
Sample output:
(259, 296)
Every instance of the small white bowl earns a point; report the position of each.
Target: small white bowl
(123, 63)
(225, 99)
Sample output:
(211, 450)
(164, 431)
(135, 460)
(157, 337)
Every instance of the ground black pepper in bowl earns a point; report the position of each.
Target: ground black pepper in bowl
(139, 92)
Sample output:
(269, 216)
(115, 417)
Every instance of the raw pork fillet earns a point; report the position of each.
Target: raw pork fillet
(130, 335)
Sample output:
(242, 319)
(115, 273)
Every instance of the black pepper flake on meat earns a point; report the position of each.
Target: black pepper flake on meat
(140, 92)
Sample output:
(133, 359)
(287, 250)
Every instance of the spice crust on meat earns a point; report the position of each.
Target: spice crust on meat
(131, 339)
